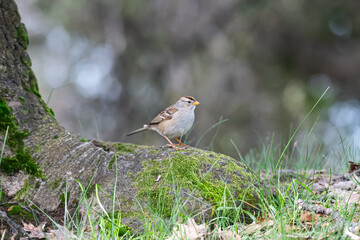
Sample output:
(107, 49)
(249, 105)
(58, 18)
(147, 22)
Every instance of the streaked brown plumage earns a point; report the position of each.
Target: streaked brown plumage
(174, 122)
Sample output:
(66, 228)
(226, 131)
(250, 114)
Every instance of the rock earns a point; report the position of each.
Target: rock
(148, 179)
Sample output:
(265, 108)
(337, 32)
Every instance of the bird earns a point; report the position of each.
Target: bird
(174, 122)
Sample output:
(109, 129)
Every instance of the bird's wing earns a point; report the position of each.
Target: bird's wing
(164, 115)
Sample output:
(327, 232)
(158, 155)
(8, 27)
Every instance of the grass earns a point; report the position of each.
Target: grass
(2, 177)
(3, 146)
(278, 213)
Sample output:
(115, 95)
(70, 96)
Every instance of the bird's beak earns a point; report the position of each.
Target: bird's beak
(196, 103)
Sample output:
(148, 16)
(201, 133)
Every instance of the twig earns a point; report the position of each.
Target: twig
(27, 208)
(340, 221)
(15, 228)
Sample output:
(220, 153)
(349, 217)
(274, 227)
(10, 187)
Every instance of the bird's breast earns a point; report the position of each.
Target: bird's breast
(180, 124)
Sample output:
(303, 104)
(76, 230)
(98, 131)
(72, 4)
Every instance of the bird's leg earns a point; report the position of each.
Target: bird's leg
(180, 143)
(171, 144)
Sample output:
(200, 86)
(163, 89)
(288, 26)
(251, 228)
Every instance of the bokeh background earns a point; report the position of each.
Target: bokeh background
(107, 67)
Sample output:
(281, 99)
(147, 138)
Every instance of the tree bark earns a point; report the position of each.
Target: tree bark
(138, 174)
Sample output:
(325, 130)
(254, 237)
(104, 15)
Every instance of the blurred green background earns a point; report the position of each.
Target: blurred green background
(107, 67)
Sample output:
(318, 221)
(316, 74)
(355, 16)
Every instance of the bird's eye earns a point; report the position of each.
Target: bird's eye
(189, 101)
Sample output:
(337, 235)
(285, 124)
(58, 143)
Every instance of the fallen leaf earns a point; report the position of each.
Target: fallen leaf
(227, 234)
(62, 233)
(353, 166)
(308, 217)
(189, 231)
(35, 232)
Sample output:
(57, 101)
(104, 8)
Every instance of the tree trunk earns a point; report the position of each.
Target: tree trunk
(42, 160)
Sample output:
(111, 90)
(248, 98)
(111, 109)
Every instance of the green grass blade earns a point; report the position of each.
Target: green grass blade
(297, 129)
(306, 187)
(98, 200)
(4, 143)
(208, 130)
(114, 200)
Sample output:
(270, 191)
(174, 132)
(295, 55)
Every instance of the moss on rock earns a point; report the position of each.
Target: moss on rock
(22, 36)
(19, 212)
(49, 110)
(24, 191)
(111, 163)
(55, 184)
(22, 159)
(22, 100)
(195, 174)
(122, 148)
(64, 198)
(32, 85)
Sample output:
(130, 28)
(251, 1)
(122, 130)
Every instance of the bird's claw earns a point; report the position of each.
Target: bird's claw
(173, 146)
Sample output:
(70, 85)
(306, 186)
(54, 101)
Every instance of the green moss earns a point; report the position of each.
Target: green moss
(111, 163)
(56, 136)
(125, 147)
(154, 151)
(90, 190)
(17, 210)
(22, 100)
(37, 148)
(22, 159)
(26, 60)
(49, 111)
(83, 139)
(22, 35)
(55, 184)
(127, 204)
(6, 118)
(191, 172)
(33, 86)
(33, 83)
(119, 229)
(24, 191)
(63, 197)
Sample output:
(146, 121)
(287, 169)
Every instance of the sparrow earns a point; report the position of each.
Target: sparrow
(174, 122)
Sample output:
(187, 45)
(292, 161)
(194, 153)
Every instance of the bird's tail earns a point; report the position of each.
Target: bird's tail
(138, 130)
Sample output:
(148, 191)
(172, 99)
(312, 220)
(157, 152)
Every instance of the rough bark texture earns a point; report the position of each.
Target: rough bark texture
(143, 173)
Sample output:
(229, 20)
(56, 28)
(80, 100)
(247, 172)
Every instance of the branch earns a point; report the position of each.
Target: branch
(15, 228)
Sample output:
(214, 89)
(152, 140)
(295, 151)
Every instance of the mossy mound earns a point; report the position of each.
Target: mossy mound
(201, 181)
